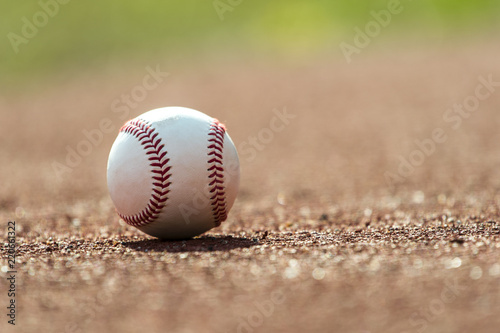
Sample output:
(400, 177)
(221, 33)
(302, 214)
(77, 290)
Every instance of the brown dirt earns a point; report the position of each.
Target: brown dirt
(317, 241)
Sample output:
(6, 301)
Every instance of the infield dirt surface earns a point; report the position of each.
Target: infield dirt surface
(318, 239)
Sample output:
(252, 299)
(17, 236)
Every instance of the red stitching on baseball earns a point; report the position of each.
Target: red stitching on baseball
(159, 163)
(216, 166)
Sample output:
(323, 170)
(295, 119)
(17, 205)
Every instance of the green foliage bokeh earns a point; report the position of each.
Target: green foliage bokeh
(85, 33)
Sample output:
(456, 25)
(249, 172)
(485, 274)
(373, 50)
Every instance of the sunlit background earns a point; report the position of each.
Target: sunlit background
(363, 64)
(365, 84)
(99, 34)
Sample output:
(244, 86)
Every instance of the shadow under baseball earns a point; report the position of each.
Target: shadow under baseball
(199, 244)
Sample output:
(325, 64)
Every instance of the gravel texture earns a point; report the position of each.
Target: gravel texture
(318, 240)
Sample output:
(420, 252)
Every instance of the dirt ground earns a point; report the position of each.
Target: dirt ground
(331, 232)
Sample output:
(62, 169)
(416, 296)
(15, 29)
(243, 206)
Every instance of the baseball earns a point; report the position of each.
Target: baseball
(173, 173)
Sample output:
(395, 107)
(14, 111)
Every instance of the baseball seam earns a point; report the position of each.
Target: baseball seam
(152, 144)
(216, 169)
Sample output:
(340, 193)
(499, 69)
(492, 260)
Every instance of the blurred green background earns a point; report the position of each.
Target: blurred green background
(96, 34)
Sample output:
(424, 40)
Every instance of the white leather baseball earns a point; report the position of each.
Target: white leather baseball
(173, 173)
